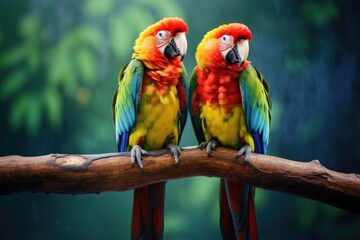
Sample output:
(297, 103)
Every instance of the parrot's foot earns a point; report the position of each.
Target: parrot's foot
(244, 150)
(175, 151)
(135, 155)
(210, 145)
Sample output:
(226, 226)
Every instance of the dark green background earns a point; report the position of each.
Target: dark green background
(59, 62)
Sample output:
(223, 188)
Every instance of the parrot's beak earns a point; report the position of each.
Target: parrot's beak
(243, 50)
(176, 47)
(180, 40)
(238, 53)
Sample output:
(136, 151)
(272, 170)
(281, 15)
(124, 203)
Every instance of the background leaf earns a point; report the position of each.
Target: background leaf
(12, 84)
(98, 8)
(12, 57)
(87, 67)
(53, 106)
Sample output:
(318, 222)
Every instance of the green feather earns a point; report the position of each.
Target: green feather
(255, 92)
(126, 97)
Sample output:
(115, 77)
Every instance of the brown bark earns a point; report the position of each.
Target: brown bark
(58, 173)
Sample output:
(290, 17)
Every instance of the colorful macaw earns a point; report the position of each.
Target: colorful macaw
(230, 106)
(150, 110)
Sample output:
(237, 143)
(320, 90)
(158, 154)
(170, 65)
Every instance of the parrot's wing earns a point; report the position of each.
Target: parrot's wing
(194, 108)
(125, 101)
(257, 105)
(240, 197)
(183, 91)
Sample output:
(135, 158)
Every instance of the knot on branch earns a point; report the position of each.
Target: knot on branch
(69, 162)
(315, 161)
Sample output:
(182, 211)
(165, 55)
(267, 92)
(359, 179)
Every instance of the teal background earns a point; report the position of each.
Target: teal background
(59, 62)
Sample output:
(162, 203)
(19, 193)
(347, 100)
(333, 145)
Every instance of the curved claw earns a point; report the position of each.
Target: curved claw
(175, 151)
(210, 145)
(135, 155)
(244, 149)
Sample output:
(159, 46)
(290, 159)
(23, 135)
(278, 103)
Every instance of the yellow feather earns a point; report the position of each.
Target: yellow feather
(157, 118)
(228, 127)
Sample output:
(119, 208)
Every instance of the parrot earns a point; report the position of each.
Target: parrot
(229, 105)
(149, 112)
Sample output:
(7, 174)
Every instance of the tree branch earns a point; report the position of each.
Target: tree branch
(59, 173)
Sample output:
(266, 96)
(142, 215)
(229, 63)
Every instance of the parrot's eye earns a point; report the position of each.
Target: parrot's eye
(162, 35)
(226, 39)
(226, 42)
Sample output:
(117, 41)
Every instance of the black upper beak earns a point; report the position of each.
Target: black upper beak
(233, 56)
(172, 51)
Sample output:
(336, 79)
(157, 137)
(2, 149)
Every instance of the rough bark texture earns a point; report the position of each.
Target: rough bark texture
(74, 174)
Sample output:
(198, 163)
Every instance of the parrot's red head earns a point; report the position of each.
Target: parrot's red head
(225, 47)
(162, 42)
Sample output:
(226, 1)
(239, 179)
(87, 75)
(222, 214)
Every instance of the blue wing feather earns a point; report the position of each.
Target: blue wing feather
(123, 142)
(255, 118)
(260, 146)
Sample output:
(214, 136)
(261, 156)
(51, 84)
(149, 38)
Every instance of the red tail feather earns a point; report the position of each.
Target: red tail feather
(226, 222)
(146, 215)
(136, 217)
(253, 226)
(158, 192)
(237, 211)
(148, 212)
(236, 199)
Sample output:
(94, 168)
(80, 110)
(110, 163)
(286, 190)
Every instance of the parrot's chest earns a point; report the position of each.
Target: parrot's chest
(222, 112)
(225, 125)
(157, 117)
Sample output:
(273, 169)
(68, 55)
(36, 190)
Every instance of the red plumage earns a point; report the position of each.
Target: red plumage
(218, 87)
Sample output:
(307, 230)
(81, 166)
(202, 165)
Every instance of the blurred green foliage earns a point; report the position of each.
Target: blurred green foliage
(312, 18)
(58, 68)
(47, 72)
(52, 67)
